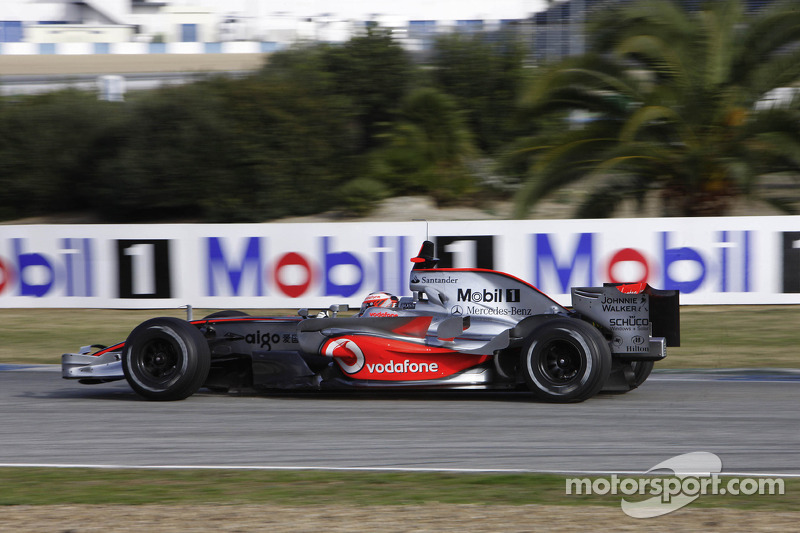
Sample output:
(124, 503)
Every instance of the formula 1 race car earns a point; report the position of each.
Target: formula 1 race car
(462, 328)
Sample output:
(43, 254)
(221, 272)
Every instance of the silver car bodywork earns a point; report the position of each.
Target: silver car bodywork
(471, 325)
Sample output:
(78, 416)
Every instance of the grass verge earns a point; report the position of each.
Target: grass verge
(77, 486)
(711, 336)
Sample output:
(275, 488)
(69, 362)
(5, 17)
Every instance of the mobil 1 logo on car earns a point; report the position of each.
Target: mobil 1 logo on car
(494, 301)
(480, 293)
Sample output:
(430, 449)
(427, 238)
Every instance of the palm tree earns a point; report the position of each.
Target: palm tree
(675, 104)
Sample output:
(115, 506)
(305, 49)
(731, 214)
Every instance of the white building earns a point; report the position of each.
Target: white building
(209, 21)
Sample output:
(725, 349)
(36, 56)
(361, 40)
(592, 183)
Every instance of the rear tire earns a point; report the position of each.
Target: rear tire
(225, 314)
(625, 377)
(166, 359)
(565, 360)
(641, 371)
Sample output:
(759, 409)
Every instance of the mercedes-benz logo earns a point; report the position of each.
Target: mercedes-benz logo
(457, 310)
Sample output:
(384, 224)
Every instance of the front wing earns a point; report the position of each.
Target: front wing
(93, 367)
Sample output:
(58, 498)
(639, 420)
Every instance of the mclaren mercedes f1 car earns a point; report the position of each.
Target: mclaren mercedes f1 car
(462, 328)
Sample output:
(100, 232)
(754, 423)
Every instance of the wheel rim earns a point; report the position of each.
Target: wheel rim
(561, 362)
(159, 362)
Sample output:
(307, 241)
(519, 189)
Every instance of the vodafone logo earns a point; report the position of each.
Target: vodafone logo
(350, 358)
(406, 367)
(347, 354)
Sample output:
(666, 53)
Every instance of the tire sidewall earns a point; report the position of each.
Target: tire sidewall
(584, 341)
(227, 313)
(641, 371)
(191, 350)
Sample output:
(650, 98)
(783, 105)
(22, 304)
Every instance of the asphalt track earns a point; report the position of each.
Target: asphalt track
(751, 420)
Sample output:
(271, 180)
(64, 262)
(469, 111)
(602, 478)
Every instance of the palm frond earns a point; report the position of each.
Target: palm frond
(672, 100)
(558, 167)
(656, 54)
(767, 34)
(646, 116)
(719, 24)
(600, 76)
(661, 18)
(782, 70)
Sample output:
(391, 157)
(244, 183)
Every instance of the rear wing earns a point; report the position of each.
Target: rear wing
(632, 312)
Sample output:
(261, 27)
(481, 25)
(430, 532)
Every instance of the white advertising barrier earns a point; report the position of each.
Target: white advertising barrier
(737, 260)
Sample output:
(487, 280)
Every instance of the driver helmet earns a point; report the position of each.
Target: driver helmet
(378, 299)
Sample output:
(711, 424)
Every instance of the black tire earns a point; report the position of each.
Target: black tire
(626, 377)
(565, 360)
(641, 371)
(225, 314)
(166, 359)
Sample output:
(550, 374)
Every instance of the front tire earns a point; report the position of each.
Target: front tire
(565, 360)
(166, 359)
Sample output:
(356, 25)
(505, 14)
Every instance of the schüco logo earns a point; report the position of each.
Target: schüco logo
(488, 295)
(630, 321)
